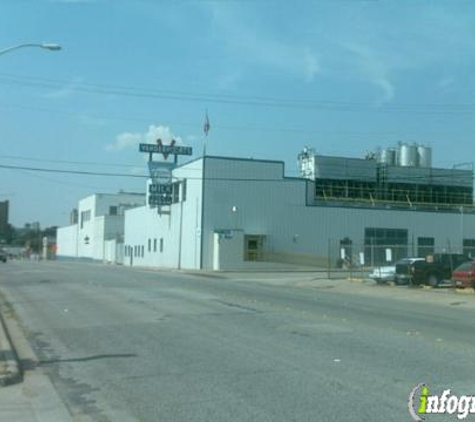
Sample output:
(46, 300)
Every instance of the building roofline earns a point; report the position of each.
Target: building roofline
(220, 157)
(253, 160)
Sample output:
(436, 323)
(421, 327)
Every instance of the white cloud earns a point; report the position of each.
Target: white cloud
(65, 91)
(91, 120)
(374, 68)
(387, 87)
(446, 84)
(128, 140)
(251, 45)
(228, 80)
(311, 66)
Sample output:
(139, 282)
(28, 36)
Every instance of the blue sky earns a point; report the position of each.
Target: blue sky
(343, 76)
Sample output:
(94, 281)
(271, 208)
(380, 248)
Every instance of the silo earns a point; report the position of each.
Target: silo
(425, 156)
(388, 156)
(407, 155)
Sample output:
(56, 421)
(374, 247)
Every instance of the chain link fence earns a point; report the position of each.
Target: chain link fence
(356, 260)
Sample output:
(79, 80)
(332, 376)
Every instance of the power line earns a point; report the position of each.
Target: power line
(45, 160)
(78, 172)
(246, 128)
(237, 179)
(310, 104)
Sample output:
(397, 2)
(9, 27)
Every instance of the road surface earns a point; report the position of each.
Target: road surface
(123, 344)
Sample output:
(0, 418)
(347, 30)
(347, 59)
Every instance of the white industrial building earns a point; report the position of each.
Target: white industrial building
(97, 229)
(230, 213)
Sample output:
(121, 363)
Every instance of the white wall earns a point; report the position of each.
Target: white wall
(86, 228)
(179, 231)
(121, 200)
(113, 252)
(267, 204)
(101, 226)
(228, 252)
(98, 248)
(66, 241)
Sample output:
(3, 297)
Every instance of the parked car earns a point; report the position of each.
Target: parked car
(405, 269)
(3, 255)
(464, 275)
(383, 274)
(432, 270)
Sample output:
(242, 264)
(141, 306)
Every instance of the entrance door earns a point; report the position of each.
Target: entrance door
(254, 246)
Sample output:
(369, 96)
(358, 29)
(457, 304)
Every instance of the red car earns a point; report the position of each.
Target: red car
(464, 275)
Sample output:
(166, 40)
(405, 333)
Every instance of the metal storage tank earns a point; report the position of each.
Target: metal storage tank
(425, 156)
(388, 156)
(407, 155)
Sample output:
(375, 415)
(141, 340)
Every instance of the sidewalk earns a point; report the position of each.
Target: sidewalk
(29, 396)
(32, 400)
(10, 371)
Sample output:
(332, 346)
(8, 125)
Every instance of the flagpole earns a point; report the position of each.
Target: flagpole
(206, 129)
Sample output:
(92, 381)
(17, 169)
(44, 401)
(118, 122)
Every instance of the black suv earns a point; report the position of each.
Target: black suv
(3, 255)
(432, 270)
(405, 269)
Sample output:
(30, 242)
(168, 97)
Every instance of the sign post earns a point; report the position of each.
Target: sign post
(161, 189)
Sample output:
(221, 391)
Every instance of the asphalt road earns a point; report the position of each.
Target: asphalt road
(123, 344)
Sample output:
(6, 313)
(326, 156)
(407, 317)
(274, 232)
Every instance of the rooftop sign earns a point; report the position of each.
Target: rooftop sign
(166, 149)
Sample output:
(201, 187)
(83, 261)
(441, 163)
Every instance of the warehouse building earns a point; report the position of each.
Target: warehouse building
(4, 222)
(97, 228)
(231, 213)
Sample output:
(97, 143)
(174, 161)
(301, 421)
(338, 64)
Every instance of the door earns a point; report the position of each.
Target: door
(254, 245)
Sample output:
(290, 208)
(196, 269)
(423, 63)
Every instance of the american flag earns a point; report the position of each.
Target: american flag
(206, 126)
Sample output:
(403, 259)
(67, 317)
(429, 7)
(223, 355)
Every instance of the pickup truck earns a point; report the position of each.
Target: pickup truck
(432, 270)
(383, 274)
(404, 269)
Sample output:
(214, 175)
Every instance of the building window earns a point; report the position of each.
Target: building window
(85, 216)
(155, 245)
(469, 247)
(183, 191)
(425, 246)
(377, 240)
(149, 245)
(161, 244)
(113, 210)
(176, 192)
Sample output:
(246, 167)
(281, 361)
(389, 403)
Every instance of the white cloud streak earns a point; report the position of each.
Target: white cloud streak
(252, 46)
(373, 67)
(65, 91)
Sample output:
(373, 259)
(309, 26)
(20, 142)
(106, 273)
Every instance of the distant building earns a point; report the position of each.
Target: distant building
(4, 224)
(73, 216)
(99, 227)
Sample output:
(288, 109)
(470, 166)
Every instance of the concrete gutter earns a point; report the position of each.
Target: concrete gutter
(10, 368)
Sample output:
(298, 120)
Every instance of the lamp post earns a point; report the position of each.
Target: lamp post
(46, 46)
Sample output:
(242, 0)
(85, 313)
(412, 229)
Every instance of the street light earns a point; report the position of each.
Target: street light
(46, 46)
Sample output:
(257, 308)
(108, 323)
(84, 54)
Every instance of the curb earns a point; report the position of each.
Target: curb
(356, 279)
(10, 368)
(465, 291)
